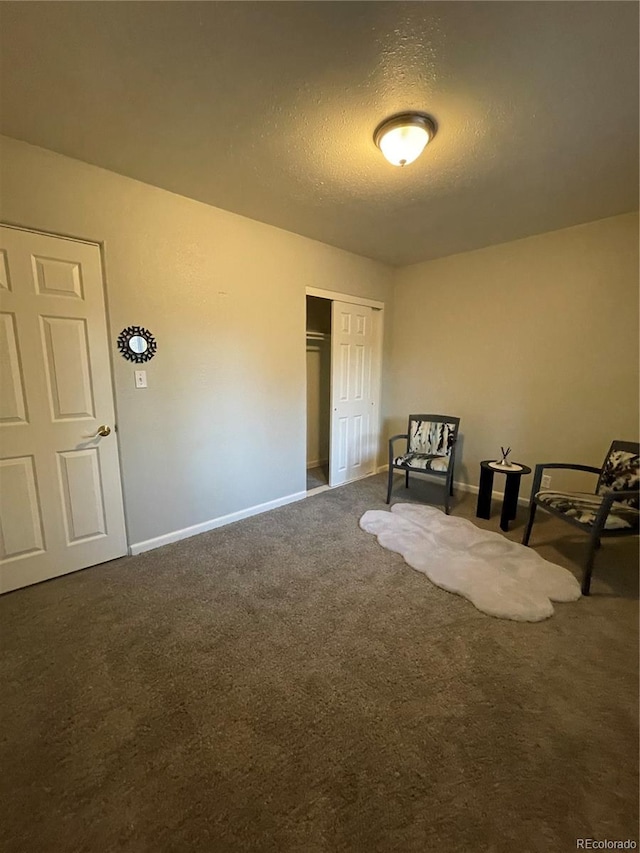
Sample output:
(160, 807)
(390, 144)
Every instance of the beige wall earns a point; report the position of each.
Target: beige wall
(222, 425)
(534, 344)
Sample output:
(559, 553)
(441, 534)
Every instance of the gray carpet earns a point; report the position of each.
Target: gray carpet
(317, 477)
(286, 684)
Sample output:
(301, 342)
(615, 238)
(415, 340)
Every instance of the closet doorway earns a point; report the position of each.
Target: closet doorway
(344, 356)
(318, 391)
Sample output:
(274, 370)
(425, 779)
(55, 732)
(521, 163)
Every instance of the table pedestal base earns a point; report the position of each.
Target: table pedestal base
(511, 492)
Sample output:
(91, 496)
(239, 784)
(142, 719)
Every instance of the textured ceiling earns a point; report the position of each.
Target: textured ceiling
(267, 109)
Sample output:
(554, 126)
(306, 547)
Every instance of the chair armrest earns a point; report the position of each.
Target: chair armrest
(391, 440)
(394, 437)
(569, 466)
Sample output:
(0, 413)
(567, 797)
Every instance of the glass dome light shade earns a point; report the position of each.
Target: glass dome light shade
(403, 138)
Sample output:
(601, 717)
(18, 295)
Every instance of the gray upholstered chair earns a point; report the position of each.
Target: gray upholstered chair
(430, 449)
(611, 510)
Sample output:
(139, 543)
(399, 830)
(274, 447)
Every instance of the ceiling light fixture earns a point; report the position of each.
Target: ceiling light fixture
(402, 137)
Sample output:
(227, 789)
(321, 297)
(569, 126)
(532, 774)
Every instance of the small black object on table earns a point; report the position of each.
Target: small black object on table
(511, 491)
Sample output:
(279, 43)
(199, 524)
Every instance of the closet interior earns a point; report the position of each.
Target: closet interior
(318, 390)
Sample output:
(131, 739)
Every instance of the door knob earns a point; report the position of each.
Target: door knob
(104, 431)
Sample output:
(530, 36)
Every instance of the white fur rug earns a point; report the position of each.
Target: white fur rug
(500, 577)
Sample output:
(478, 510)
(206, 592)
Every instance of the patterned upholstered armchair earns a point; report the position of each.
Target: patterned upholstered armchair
(612, 510)
(430, 449)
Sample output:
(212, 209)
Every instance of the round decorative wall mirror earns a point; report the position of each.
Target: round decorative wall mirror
(137, 344)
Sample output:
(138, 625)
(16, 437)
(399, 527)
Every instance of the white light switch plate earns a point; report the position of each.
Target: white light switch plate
(141, 378)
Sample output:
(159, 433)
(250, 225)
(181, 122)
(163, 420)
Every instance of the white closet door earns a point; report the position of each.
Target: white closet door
(60, 493)
(352, 404)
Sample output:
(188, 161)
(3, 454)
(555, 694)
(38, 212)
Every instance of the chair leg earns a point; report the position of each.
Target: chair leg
(527, 532)
(448, 491)
(594, 544)
(406, 479)
(389, 483)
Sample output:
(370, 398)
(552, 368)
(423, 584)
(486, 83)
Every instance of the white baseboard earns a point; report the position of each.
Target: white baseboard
(221, 521)
(186, 532)
(495, 496)
(468, 487)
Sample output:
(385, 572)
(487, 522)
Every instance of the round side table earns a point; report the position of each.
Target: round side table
(511, 491)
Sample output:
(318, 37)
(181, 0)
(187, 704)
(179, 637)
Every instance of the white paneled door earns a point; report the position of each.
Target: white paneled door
(352, 402)
(60, 492)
